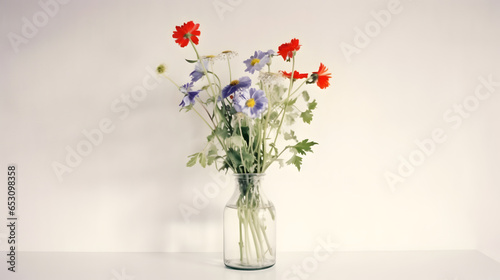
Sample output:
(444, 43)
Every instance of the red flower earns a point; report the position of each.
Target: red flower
(184, 32)
(296, 75)
(322, 76)
(287, 50)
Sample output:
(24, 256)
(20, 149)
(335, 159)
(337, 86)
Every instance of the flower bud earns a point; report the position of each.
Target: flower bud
(161, 68)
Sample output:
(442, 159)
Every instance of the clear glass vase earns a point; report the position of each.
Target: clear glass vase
(249, 226)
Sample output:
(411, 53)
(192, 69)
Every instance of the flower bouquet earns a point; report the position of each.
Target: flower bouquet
(249, 121)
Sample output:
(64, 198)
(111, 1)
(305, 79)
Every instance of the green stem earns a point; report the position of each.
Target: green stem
(293, 93)
(229, 65)
(213, 94)
(251, 141)
(203, 66)
(194, 109)
(254, 234)
(286, 101)
(291, 96)
(238, 203)
(204, 120)
(262, 138)
(217, 77)
(284, 109)
(276, 158)
(205, 71)
(269, 248)
(172, 81)
(247, 252)
(206, 110)
(256, 222)
(241, 154)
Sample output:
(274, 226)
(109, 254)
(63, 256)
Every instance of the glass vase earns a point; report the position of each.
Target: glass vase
(249, 225)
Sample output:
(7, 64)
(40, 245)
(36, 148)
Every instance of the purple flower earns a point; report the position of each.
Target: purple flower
(189, 95)
(252, 102)
(270, 53)
(198, 72)
(257, 61)
(235, 86)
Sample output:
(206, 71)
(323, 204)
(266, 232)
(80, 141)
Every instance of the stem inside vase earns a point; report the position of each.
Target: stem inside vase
(249, 226)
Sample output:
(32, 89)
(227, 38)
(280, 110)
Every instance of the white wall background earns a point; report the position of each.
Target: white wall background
(125, 195)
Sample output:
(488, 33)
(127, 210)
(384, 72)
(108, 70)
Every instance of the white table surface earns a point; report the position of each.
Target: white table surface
(414, 265)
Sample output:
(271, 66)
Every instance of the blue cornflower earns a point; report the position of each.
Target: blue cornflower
(252, 102)
(257, 61)
(235, 86)
(189, 95)
(198, 72)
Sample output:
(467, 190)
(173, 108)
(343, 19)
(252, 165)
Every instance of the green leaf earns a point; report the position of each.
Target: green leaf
(219, 113)
(290, 102)
(212, 154)
(186, 108)
(312, 105)
(191, 61)
(295, 160)
(290, 118)
(290, 135)
(245, 130)
(221, 132)
(225, 166)
(305, 95)
(203, 160)
(273, 148)
(234, 157)
(236, 141)
(192, 160)
(273, 116)
(210, 137)
(277, 93)
(248, 159)
(304, 146)
(307, 116)
(205, 87)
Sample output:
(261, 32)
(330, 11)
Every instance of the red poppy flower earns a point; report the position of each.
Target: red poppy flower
(296, 75)
(322, 77)
(184, 32)
(287, 50)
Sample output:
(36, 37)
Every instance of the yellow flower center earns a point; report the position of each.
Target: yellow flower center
(250, 103)
(235, 82)
(254, 61)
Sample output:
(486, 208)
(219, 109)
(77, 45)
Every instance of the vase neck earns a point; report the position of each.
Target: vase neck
(248, 191)
(248, 182)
